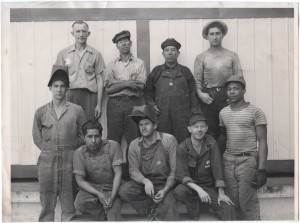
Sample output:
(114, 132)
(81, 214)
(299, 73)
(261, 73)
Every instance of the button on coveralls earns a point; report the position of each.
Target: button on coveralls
(57, 138)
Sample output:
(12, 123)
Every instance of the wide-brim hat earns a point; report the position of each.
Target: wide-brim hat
(195, 117)
(205, 28)
(60, 73)
(236, 78)
(143, 112)
(121, 35)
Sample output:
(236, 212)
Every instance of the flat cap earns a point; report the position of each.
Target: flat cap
(236, 78)
(209, 24)
(170, 42)
(195, 117)
(59, 73)
(120, 35)
(143, 112)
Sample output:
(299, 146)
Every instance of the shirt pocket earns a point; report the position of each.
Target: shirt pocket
(47, 127)
(88, 67)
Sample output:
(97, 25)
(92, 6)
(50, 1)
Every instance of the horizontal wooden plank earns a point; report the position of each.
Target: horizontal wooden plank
(273, 167)
(71, 14)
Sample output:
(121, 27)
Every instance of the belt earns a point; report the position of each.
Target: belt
(124, 97)
(243, 154)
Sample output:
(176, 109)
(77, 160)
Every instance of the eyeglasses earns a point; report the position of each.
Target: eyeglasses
(121, 41)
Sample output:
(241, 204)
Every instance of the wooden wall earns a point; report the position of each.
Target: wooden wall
(265, 47)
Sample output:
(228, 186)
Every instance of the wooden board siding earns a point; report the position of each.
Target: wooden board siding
(265, 47)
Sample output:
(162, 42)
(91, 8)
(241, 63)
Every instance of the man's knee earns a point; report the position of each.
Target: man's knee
(128, 190)
(181, 192)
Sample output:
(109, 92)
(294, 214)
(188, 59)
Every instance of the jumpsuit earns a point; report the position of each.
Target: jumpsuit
(174, 95)
(155, 167)
(57, 138)
(98, 171)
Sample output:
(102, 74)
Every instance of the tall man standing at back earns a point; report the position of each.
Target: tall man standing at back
(85, 65)
(212, 68)
(125, 81)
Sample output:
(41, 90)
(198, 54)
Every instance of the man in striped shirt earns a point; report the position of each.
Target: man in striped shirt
(244, 129)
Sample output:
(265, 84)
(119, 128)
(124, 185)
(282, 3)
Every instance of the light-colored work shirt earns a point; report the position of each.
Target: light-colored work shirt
(134, 69)
(134, 157)
(84, 67)
(212, 69)
(240, 128)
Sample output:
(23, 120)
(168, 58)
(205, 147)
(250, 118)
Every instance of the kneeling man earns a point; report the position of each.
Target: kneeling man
(199, 169)
(152, 162)
(98, 171)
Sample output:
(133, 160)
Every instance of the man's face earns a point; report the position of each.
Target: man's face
(215, 36)
(235, 92)
(124, 45)
(92, 139)
(147, 127)
(58, 89)
(170, 54)
(81, 33)
(198, 130)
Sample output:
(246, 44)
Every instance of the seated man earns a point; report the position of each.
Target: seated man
(199, 169)
(98, 171)
(152, 161)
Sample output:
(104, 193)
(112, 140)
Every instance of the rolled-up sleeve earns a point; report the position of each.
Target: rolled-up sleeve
(134, 162)
(198, 71)
(142, 73)
(182, 170)
(108, 74)
(79, 163)
(99, 64)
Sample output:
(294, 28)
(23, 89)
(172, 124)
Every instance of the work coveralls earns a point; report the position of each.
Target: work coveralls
(98, 171)
(155, 167)
(205, 170)
(172, 89)
(57, 138)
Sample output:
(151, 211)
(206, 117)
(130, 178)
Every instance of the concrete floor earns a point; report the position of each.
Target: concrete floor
(271, 209)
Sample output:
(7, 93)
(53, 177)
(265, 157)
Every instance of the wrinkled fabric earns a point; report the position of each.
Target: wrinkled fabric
(57, 138)
(239, 172)
(173, 91)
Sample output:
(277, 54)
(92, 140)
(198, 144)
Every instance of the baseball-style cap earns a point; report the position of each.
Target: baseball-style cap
(121, 35)
(205, 28)
(195, 117)
(143, 112)
(170, 42)
(59, 73)
(236, 78)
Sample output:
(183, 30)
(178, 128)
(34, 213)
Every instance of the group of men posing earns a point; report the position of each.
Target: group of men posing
(211, 151)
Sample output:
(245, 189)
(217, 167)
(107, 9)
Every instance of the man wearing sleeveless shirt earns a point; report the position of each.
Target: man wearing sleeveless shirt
(212, 68)
(244, 129)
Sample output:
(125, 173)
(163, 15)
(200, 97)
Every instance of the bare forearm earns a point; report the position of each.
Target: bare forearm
(84, 185)
(116, 184)
(263, 155)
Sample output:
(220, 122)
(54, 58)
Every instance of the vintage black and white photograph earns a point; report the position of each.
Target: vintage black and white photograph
(149, 111)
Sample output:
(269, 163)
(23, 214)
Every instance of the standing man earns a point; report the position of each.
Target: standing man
(57, 133)
(98, 170)
(170, 90)
(212, 68)
(152, 162)
(199, 169)
(85, 65)
(125, 81)
(244, 129)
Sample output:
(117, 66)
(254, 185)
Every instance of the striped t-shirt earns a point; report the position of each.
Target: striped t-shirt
(240, 128)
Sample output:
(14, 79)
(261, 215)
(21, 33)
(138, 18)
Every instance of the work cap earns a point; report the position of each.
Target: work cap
(195, 117)
(121, 35)
(170, 42)
(208, 25)
(143, 112)
(59, 73)
(236, 78)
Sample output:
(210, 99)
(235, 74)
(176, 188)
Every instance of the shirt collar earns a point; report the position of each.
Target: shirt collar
(130, 59)
(205, 146)
(87, 48)
(158, 137)
(167, 67)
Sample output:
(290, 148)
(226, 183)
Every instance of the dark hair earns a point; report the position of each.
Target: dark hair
(91, 125)
(215, 25)
(80, 22)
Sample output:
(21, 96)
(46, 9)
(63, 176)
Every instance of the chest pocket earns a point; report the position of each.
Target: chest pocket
(47, 123)
(88, 67)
